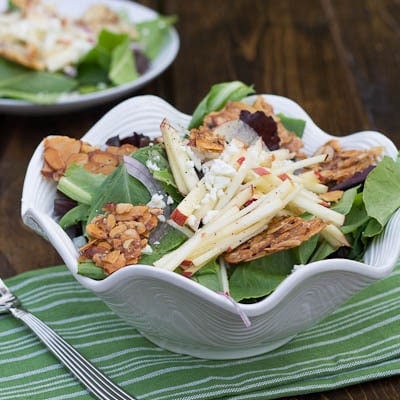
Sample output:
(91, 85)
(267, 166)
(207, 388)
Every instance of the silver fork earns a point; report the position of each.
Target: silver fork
(94, 380)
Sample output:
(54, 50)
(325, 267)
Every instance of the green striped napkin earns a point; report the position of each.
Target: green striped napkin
(359, 342)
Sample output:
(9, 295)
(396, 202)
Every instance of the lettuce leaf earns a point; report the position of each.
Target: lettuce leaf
(80, 184)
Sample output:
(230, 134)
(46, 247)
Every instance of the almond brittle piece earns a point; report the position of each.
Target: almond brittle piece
(282, 233)
(62, 151)
(342, 164)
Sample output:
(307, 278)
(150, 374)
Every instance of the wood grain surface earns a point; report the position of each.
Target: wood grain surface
(339, 59)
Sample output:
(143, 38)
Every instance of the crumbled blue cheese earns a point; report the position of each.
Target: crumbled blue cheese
(147, 250)
(152, 166)
(170, 200)
(194, 157)
(157, 201)
(217, 176)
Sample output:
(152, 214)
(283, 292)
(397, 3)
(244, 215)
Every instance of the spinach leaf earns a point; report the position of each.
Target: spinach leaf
(122, 68)
(170, 241)
(74, 216)
(323, 250)
(258, 278)
(295, 125)
(154, 154)
(91, 77)
(304, 252)
(357, 216)
(153, 34)
(35, 86)
(119, 187)
(91, 270)
(110, 62)
(381, 192)
(345, 204)
(208, 276)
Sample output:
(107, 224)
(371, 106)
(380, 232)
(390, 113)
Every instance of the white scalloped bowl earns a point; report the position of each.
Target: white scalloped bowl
(184, 317)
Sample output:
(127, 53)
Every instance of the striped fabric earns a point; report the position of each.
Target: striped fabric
(359, 342)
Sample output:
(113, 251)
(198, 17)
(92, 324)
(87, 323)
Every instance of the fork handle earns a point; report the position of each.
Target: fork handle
(94, 380)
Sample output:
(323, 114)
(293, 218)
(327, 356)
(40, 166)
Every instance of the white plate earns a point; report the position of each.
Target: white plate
(70, 102)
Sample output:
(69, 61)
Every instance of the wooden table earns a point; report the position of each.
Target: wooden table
(339, 59)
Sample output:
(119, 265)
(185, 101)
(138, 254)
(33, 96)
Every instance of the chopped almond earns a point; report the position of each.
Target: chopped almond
(342, 164)
(62, 151)
(118, 237)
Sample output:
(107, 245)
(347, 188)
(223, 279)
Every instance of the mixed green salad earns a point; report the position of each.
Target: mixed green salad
(214, 204)
(44, 55)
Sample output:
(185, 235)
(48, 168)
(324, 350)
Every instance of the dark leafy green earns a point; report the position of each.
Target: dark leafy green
(123, 68)
(381, 192)
(91, 270)
(110, 62)
(295, 125)
(258, 278)
(119, 187)
(170, 241)
(74, 216)
(24, 84)
(208, 276)
(346, 202)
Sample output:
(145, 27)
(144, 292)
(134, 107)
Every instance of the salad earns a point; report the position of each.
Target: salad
(45, 55)
(230, 201)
